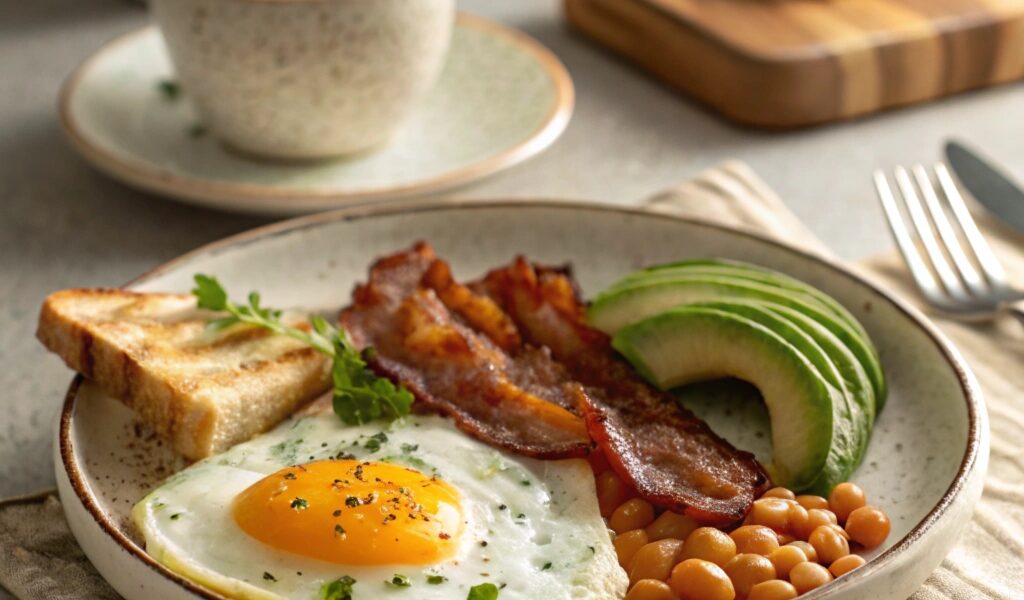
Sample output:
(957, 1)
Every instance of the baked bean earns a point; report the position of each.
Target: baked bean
(785, 558)
(746, 570)
(650, 589)
(807, 575)
(655, 560)
(635, 513)
(816, 517)
(772, 590)
(868, 526)
(810, 502)
(829, 545)
(671, 525)
(696, 579)
(611, 492)
(785, 538)
(710, 544)
(626, 544)
(755, 539)
(846, 498)
(846, 564)
(798, 519)
(779, 492)
(808, 550)
(839, 530)
(770, 512)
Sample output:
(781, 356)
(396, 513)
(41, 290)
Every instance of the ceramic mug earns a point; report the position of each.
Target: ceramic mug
(305, 79)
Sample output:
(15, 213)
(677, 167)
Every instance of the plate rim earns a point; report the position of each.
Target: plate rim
(969, 386)
(257, 197)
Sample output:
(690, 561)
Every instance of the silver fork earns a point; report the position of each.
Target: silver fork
(960, 290)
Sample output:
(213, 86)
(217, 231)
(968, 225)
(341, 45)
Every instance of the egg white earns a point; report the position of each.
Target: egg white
(532, 527)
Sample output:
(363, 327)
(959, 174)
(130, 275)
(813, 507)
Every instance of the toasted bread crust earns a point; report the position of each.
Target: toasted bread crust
(201, 392)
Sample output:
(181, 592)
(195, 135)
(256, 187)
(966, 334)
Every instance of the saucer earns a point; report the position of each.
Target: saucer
(501, 98)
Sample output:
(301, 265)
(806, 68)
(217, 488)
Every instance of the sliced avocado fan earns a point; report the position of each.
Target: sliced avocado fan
(814, 444)
(637, 297)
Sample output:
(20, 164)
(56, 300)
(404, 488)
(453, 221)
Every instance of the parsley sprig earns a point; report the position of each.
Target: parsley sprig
(360, 395)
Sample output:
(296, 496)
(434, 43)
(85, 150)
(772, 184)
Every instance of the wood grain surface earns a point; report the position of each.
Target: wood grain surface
(791, 63)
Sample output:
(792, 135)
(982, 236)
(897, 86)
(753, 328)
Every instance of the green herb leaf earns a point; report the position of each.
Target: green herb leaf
(339, 589)
(210, 294)
(400, 581)
(268, 577)
(373, 444)
(546, 566)
(483, 591)
(436, 579)
(360, 396)
(170, 88)
(300, 504)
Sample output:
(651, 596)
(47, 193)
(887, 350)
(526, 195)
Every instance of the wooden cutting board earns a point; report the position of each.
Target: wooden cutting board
(791, 63)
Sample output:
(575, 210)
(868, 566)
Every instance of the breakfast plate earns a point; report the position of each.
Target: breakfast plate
(501, 98)
(925, 462)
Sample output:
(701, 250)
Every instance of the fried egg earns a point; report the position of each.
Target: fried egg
(411, 510)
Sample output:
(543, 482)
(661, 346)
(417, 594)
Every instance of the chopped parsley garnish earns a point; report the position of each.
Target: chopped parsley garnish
(351, 501)
(175, 516)
(300, 504)
(546, 566)
(483, 591)
(360, 395)
(436, 579)
(169, 88)
(373, 444)
(197, 130)
(525, 482)
(289, 476)
(339, 530)
(503, 507)
(337, 513)
(339, 589)
(399, 581)
(268, 577)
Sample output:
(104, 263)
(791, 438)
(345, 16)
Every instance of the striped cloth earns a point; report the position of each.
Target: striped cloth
(39, 558)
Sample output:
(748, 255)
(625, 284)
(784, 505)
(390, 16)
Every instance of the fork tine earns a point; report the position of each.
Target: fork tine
(988, 261)
(918, 268)
(924, 231)
(963, 264)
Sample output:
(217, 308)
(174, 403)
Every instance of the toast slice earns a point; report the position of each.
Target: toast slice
(202, 391)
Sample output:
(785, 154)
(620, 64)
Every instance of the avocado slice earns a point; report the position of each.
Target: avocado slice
(696, 343)
(623, 304)
(755, 273)
(857, 383)
(845, 454)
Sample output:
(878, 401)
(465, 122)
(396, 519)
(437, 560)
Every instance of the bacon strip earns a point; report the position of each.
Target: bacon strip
(672, 458)
(511, 359)
(425, 338)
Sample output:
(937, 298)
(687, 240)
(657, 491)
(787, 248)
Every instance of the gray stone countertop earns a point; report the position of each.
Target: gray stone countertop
(64, 225)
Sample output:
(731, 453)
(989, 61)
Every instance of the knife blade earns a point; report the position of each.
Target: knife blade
(992, 188)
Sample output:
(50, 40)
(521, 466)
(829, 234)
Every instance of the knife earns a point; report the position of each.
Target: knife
(992, 188)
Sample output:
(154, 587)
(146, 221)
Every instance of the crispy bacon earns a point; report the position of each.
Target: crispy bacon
(523, 404)
(511, 359)
(672, 458)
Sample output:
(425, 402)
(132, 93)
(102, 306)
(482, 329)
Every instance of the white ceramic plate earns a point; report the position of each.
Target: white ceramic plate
(925, 463)
(501, 98)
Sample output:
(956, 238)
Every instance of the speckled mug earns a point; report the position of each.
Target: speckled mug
(305, 79)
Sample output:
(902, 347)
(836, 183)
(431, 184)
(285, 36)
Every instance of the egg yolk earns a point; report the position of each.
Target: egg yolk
(353, 513)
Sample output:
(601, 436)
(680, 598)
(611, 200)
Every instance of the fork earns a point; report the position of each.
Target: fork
(963, 293)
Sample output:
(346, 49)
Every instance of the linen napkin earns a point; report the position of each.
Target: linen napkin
(39, 558)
